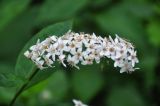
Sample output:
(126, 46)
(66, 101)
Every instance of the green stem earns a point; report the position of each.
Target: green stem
(35, 70)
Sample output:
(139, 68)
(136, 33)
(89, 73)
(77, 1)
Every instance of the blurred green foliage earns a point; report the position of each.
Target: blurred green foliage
(132, 97)
(96, 85)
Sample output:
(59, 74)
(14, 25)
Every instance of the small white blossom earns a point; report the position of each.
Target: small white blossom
(118, 62)
(54, 38)
(34, 56)
(39, 63)
(133, 57)
(28, 54)
(85, 49)
(36, 47)
(52, 51)
(127, 67)
(72, 61)
(78, 103)
(96, 55)
(48, 61)
(61, 59)
(78, 54)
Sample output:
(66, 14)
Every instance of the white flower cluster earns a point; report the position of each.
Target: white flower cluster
(79, 48)
(78, 103)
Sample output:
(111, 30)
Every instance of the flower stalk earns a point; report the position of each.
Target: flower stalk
(23, 87)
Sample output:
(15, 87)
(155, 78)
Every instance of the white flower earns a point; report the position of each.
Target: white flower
(61, 59)
(78, 103)
(28, 54)
(91, 45)
(73, 45)
(78, 54)
(36, 47)
(88, 59)
(133, 57)
(48, 61)
(118, 62)
(52, 50)
(79, 38)
(127, 67)
(104, 49)
(120, 51)
(72, 61)
(62, 45)
(46, 42)
(39, 63)
(111, 53)
(34, 56)
(96, 55)
(54, 38)
(76, 48)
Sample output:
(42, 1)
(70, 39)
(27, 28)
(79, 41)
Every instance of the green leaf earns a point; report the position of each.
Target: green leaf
(6, 95)
(31, 95)
(125, 96)
(52, 90)
(10, 9)
(56, 10)
(25, 70)
(153, 32)
(87, 82)
(7, 82)
(6, 75)
(24, 67)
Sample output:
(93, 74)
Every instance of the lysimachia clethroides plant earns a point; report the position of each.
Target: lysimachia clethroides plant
(85, 49)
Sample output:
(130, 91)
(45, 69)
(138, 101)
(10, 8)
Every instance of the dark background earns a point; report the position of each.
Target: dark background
(95, 85)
